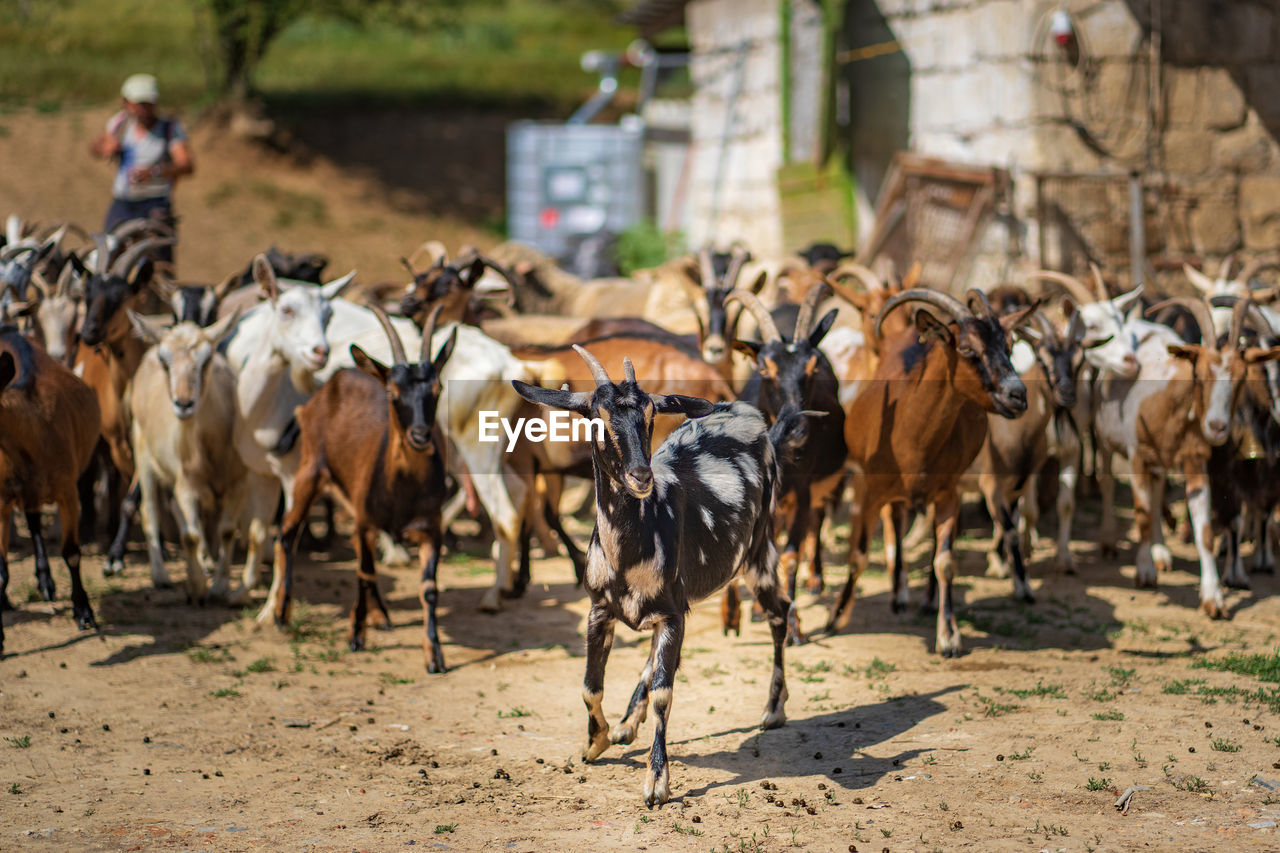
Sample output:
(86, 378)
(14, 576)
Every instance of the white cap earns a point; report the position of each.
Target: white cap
(140, 89)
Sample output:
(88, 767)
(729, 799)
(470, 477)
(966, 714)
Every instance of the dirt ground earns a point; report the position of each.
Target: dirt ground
(176, 727)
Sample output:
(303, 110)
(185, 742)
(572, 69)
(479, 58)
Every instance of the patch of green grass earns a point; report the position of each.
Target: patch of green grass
(1098, 784)
(206, 654)
(685, 830)
(390, 679)
(1264, 667)
(1267, 697)
(1100, 695)
(1021, 756)
(878, 668)
(224, 693)
(261, 665)
(20, 742)
(1121, 677)
(443, 828)
(15, 788)
(1112, 716)
(1191, 784)
(1222, 744)
(1041, 690)
(992, 708)
(514, 713)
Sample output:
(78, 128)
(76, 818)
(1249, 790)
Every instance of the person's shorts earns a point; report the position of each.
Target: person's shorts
(161, 208)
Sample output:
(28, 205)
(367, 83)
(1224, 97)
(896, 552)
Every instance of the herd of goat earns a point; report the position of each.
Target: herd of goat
(238, 406)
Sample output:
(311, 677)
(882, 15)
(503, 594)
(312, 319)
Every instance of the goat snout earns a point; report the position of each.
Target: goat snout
(419, 437)
(1217, 429)
(184, 407)
(318, 356)
(640, 480)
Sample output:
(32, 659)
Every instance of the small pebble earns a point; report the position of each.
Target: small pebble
(822, 786)
(818, 755)
(1208, 725)
(146, 771)
(51, 715)
(1191, 749)
(836, 772)
(697, 819)
(146, 738)
(493, 752)
(106, 727)
(999, 757)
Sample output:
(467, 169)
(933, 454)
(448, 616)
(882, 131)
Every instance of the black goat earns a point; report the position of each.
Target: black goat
(671, 530)
(795, 373)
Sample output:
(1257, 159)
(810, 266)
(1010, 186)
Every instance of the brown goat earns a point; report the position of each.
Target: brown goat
(918, 425)
(48, 429)
(369, 436)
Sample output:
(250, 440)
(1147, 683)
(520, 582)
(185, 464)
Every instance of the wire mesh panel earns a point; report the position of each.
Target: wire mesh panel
(1084, 218)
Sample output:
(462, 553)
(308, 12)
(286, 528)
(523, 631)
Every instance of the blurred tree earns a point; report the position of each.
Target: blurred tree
(244, 29)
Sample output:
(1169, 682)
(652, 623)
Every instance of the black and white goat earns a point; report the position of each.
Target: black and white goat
(669, 531)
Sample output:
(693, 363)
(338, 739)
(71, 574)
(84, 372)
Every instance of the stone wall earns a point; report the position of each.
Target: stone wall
(737, 122)
(988, 86)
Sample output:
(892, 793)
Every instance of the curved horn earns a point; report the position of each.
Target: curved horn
(12, 252)
(628, 369)
(102, 254)
(428, 332)
(1248, 310)
(1070, 283)
(140, 225)
(131, 256)
(944, 302)
(804, 317)
(1042, 323)
(1198, 309)
(974, 293)
(751, 302)
(705, 268)
(870, 281)
(435, 249)
(1256, 266)
(1224, 271)
(393, 337)
(1098, 284)
(407, 264)
(738, 257)
(499, 269)
(597, 369)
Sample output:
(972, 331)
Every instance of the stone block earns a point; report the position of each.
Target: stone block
(1222, 103)
(1188, 152)
(1260, 212)
(1059, 149)
(1215, 226)
(1246, 149)
(1181, 96)
(1110, 30)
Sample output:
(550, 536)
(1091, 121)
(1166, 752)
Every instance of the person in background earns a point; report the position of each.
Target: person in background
(151, 151)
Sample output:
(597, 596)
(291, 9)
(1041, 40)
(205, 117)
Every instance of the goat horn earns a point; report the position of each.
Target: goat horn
(628, 369)
(429, 332)
(139, 225)
(499, 269)
(13, 251)
(126, 262)
(64, 279)
(409, 266)
(944, 302)
(1224, 271)
(1070, 283)
(102, 256)
(974, 293)
(804, 317)
(751, 302)
(705, 268)
(1244, 310)
(597, 369)
(1256, 266)
(738, 257)
(1098, 284)
(1042, 323)
(870, 280)
(393, 337)
(1198, 309)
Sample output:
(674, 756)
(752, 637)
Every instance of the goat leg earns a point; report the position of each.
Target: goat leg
(521, 584)
(1198, 505)
(784, 625)
(576, 556)
(69, 516)
(600, 625)
(638, 708)
(429, 594)
(366, 586)
(666, 659)
(731, 610)
(44, 574)
(946, 515)
(115, 553)
(1013, 548)
(893, 523)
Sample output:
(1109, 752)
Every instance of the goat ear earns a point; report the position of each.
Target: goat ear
(1187, 351)
(930, 327)
(1258, 355)
(222, 328)
(573, 401)
(751, 349)
(445, 351)
(146, 328)
(824, 325)
(265, 276)
(679, 404)
(1018, 318)
(334, 289)
(367, 364)
(78, 265)
(475, 272)
(8, 368)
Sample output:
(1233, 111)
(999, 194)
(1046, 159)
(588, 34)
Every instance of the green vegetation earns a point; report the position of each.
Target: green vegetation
(1041, 690)
(496, 52)
(224, 693)
(20, 742)
(1222, 744)
(1262, 667)
(514, 713)
(1110, 716)
(1098, 784)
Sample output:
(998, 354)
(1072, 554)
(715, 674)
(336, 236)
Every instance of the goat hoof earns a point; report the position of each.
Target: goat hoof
(595, 747)
(514, 592)
(1027, 596)
(492, 602)
(772, 719)
(48, 590)
(356, 644)
(757, 612)
(1265, 569)
(85, 620)
(657, 788)
(898, 607)
(623, 733)
(1236, 583)
(436, 667)
(114, 567)
(1214, 609)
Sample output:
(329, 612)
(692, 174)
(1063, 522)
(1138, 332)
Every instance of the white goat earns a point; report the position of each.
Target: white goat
(183, 405)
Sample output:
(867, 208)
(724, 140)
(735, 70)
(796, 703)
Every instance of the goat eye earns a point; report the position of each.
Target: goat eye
(286, 312)
(965, 352)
